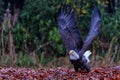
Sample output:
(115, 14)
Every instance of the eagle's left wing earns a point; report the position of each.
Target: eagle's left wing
(94, 30)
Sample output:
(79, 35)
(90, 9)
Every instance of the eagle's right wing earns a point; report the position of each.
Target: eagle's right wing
(69, 32)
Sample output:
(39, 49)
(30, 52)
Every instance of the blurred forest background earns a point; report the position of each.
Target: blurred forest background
(30, 38)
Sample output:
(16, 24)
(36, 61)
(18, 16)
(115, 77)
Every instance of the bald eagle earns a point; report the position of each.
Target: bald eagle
(77, 49)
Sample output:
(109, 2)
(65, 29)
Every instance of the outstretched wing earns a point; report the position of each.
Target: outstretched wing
(67, 22)
(94, 30)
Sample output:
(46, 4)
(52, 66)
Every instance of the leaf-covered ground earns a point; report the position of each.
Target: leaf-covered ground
(59, 74)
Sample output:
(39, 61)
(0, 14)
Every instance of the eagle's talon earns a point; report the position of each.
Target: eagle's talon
(76, 68)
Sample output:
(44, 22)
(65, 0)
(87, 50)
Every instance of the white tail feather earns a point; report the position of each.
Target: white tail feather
(86, 55)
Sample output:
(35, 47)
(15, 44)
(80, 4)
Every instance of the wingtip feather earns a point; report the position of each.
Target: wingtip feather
(66, 17)
(96, 13)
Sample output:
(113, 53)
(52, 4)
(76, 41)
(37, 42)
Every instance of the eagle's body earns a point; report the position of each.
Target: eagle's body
(67, 22)
(71, 39)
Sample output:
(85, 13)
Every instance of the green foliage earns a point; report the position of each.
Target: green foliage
(20, 36)
(111, 25)
(54, 36)
(1, 11)
(24, 60)
(44, 60)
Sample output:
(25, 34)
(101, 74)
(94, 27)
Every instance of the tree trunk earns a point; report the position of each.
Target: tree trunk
(10, 36)
(2, 34)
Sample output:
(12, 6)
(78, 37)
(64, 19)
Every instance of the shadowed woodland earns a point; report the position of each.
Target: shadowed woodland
(30, 38)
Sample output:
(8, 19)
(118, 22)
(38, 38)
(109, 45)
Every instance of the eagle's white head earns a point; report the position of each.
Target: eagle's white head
(73, 55)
